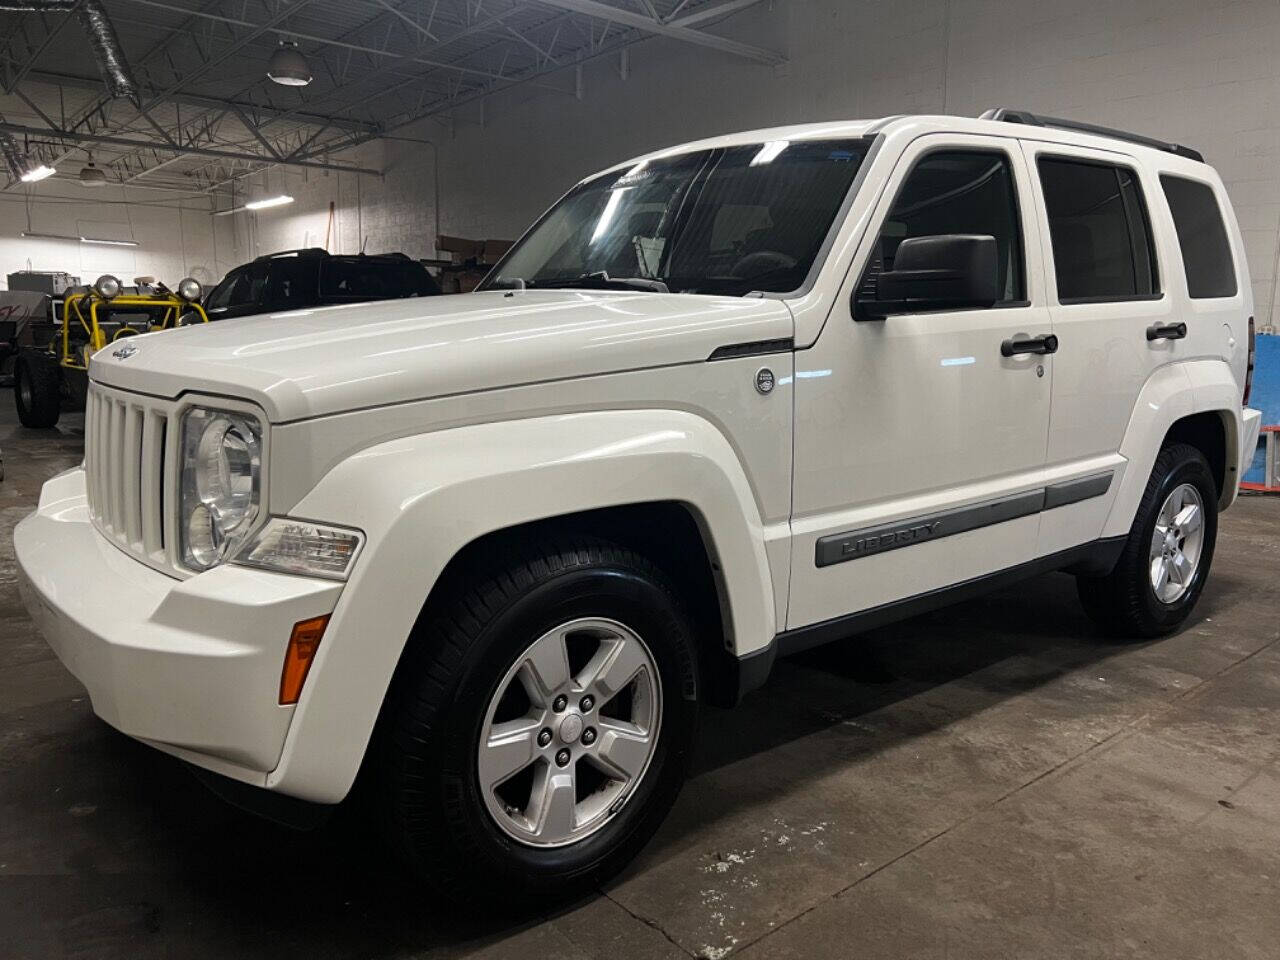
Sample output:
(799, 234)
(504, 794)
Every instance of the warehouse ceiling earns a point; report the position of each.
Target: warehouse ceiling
(205, 114)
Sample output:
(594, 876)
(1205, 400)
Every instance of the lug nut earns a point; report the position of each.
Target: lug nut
(544, 736)
(562, 758)
(586, 704)
(559, 703)
(589, 736)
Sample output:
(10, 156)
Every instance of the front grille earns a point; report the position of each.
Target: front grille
(126, 441)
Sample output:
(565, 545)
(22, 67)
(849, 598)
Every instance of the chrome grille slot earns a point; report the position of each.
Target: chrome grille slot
(125, 457)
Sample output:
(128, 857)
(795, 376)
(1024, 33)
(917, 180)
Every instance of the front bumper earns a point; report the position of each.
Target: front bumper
(190, 666)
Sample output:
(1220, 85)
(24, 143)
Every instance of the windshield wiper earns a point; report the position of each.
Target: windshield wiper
(601, 280)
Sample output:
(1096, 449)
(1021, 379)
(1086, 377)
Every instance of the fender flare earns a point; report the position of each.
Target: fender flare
(1173, 392)
(419, 500)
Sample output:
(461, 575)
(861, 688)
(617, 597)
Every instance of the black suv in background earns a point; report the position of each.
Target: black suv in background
(296, 279)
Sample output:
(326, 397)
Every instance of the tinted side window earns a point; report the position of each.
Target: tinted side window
(351, 280)
(1202, 235)
(1102, 247)
(954, 192)
(222, 295)
(293, 283)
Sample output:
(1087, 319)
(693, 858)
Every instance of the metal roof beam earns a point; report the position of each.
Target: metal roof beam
(76, 137)
(197, 100)
(638, 21)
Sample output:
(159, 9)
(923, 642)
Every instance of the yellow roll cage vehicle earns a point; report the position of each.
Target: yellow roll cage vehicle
(54, 376)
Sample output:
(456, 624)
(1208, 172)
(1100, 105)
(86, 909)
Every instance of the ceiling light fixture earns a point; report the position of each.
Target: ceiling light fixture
(279, 201)
(288, 66)
(33, 235)
(255, 205)
(36, 171)
(92, 176)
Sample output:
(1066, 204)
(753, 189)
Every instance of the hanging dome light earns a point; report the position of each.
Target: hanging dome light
(288, 66)
(92, 176)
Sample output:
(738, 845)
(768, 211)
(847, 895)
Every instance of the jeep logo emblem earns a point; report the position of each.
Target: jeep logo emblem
(125, 352)
(765, 381)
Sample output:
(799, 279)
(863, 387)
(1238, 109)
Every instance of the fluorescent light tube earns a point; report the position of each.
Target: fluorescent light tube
(38, 172)
(32, 235)
(268, 202)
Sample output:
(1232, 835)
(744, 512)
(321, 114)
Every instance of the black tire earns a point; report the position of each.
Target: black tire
(1124, 602)
(424, 780)
(37, 391)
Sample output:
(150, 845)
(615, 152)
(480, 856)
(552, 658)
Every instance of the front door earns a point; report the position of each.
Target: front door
(918, 444)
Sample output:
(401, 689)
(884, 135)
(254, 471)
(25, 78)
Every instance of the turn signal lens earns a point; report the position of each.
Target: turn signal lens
(303, 643)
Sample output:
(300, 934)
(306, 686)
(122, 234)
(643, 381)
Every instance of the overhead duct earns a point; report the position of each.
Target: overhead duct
(14, 159)
(102, 37)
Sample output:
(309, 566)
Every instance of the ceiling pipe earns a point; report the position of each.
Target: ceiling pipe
(14, 158)
(102, 37)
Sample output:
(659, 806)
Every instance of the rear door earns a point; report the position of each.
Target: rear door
(1105, 272)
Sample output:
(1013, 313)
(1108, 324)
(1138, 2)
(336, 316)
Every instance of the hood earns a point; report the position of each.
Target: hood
(310, 363)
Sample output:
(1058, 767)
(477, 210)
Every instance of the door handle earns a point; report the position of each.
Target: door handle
(1166, 331)
(1045, 344)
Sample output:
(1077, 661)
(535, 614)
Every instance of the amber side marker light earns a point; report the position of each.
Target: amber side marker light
(303, 643)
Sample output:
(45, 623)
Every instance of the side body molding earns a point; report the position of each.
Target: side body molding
(1174, 391)
(420, 499)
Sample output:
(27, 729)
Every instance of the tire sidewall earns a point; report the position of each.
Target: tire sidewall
(1190, 469)
(615, 593)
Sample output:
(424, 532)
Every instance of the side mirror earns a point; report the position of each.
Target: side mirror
(950, 271)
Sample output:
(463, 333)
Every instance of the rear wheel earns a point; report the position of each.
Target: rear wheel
(37, 390)
(1165, 563)
(539, 727)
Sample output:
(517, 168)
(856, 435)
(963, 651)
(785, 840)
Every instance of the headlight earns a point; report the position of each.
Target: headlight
(189, 289)
(221, 491)
(297, 546)
(107, 286)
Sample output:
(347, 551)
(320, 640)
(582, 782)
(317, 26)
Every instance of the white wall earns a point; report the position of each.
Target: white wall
(1202, 72)
(174, 236)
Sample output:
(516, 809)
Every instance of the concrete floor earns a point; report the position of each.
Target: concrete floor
(989, 781)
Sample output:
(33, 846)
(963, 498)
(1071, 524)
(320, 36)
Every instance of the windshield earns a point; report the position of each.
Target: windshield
(729, 221)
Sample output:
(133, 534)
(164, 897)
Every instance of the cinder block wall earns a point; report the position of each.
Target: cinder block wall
(174, 236)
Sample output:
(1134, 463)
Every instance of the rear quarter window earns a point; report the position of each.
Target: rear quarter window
(1202, 235)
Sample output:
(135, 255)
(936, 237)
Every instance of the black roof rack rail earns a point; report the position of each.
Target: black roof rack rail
(303, 252)
(1010, 115)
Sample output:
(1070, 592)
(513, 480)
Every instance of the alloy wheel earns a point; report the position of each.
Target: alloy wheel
(1177, 543)
(570, 732)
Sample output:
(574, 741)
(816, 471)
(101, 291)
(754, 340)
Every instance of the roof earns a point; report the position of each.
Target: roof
(1042, 129)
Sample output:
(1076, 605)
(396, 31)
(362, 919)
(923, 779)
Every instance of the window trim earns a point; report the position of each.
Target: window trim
(1157, 271)
(929, 151)
(1161, 176)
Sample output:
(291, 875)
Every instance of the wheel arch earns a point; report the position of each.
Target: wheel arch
(674, 535)
(1195, 402)
(430, 502)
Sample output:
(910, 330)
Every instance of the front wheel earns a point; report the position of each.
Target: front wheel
(1165, 563)
(539, 728)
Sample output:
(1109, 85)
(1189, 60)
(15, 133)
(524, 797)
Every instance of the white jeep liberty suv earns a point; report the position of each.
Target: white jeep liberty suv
(721, 403)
